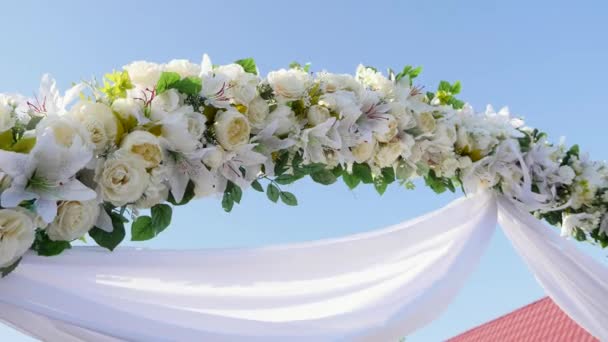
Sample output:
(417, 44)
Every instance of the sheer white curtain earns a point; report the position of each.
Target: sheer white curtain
(376, 286)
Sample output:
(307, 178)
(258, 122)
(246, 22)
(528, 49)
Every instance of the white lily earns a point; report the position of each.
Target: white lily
(268, 142)
(242, 158)
(46, 175)
(375, 117)
(185, 167)
(315, 140)
(50, 101)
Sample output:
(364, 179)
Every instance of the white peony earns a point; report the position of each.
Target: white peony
(317, 115)
(99, 121)
(231, 129)
(289, 84)
(144, 73)
(122, 180)
(16, 235)
(73, 220)
(143, 145)
(183, 67)
(257, 111)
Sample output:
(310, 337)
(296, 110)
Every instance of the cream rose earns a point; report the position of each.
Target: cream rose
(17, 233)
(183, 67)
(99, 121)
(123, 180)
(426, 122)
(232, 129)
(363, 151)
(317, 115)
(73, 220)
(257, 112)
(143, 145)
(144, 73)
(289, 84)
(387, 154)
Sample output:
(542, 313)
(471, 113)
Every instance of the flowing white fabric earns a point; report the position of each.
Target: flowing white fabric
(376, 286)
(576, 283)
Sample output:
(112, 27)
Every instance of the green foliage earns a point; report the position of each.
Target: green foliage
(13, 140)
(273, 192)
(232, 194)
(146, 227)
(439, 184)
(43, 245)
(296, 65)
(111, 239)
(446, 94)
(363, 172)
(171, 80)
(410, 72)
(257, 186)
(351, 180)
(4, 271)
(248, 65)
(572, 152)
(288, 198)
(116, 84)
(325, 177)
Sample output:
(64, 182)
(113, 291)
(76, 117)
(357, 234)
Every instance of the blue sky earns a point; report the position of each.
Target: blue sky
(544, 59)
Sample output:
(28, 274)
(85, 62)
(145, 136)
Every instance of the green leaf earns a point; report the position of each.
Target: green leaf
(24, 145)
(4, 271)
(444, 86)
(6, 139)
(257, 186)
(289, 198)
(112, 239)
(351, 180)
(188, 195)
(47, 247)
(324, 177)
(142, 229)
(161, 217)
(363, 172)
(280, 165)
(434, 182)
(167, 81)
(237, 193)
(273, 192)
(227, 202)
(189, 86)
(248, 65)
(388, 174)
(456, 87)
(380, 185)
(286, 179)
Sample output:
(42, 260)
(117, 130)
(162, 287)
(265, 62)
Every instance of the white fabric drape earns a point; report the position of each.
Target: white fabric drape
(376, 286)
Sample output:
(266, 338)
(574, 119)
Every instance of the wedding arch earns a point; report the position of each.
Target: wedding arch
(153, 136)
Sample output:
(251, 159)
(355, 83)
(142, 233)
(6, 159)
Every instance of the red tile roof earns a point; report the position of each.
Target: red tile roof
(542, 320)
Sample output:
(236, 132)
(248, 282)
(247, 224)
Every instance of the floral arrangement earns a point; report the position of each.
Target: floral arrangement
(155, 135)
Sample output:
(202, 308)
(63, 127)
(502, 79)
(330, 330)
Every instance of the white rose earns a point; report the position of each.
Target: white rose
(144, 73)
(289, 84)
(363, 151)
(144, 145)
(285, 117)
(122, 180)
(390, 132)
(99, 121)
(317, 115)
(66, 130)
(17, 233)
(184, 131)
(426, 122)
(242, 86)
(73, 220)
(184, 68)
(387, 154)
(157, 192)
(232, 129)
(257, 112)
(214, 157)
